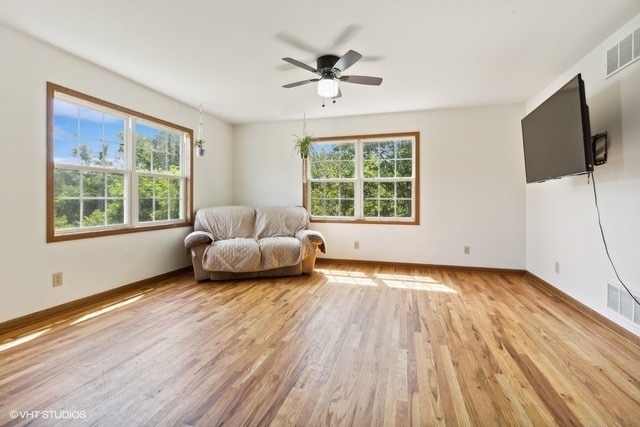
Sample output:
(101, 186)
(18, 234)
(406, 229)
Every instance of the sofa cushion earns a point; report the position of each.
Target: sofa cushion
(226, 222)
(280, 221)
(232, 255)
(278, 252)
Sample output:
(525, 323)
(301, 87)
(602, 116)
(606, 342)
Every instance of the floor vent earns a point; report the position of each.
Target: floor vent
(624, 53)
(619, 300)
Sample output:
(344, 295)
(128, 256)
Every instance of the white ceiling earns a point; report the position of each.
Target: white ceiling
(227, 55)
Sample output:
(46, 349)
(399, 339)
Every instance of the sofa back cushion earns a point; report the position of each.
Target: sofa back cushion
(226, 222)
(280, 221)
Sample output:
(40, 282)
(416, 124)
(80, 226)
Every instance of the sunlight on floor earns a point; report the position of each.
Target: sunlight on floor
(106, 309)
(21, 340)
(396, 281)
(341, 277)
(420, 283)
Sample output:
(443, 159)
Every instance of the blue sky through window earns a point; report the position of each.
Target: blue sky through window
(76, 125)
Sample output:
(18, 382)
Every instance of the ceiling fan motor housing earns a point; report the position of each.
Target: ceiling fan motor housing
(325, 64)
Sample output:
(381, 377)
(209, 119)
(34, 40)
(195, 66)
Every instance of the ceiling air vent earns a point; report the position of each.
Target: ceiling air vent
(623, 53)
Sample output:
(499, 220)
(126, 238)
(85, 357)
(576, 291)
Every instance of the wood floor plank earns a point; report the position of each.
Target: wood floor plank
(351, 344)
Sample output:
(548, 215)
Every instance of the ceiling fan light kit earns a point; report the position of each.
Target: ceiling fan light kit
(328, 88)
(329, 70)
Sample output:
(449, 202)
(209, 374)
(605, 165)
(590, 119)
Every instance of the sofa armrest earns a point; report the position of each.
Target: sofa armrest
(196, 238)
(314, 237)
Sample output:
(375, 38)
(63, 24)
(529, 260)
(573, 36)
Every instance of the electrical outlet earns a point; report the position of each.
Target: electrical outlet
(356, 244)
(57, 279)
(557, 267)
(467, 250)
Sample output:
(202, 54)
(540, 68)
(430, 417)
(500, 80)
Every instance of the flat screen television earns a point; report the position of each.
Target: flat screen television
(557, 135)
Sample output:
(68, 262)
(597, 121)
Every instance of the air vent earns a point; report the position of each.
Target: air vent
(624, 53)
(620, 301)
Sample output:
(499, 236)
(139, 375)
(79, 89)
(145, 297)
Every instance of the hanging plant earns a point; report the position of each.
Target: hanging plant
(303, 145)
(199, 146)
(199, 142)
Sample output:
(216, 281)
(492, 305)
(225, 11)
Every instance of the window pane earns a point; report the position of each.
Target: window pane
(403, 190)
(110, 154)
(387, 190)
(93, 185)
(157, 150)
(404, 168)
(370, 190)
(174, 188)
(115, 186)
(67, 183)
(331, 161)
(371, 209)
(145, 209)
(67, 213)
(84, 136)
(115, 211)
(158, 161)
(347, 208)
(92, 191)
(403, 209)
(115, 199)
(173, 161)
(159, 199)
(347, 190)
(387, 208)
(94, 212)
(387, 169)
(145, 199)
(143, 153)
(404, 149)
(174, 209)
(332, 199)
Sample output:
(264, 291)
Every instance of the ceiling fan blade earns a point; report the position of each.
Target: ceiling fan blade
(298, 43)
(300, 83)
(300, 64)
(362, 80)
(347, 60)
(345, 36)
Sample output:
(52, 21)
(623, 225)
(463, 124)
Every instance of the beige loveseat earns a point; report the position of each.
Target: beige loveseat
(234, 242)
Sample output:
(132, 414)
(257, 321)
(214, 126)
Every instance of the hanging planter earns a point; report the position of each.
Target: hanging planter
(199, 143)
(199, 146)
(303, 145)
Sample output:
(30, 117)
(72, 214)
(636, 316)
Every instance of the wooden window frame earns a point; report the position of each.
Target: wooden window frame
(132, 226)
(415, 220)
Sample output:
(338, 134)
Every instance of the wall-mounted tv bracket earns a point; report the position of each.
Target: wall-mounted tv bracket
(599, 145)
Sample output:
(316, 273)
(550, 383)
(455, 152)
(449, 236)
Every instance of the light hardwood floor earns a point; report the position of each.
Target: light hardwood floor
(350, 345)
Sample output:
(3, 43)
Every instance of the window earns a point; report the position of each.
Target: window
(368, 178)
(112, 170)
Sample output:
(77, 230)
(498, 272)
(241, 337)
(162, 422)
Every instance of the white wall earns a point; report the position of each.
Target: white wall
(89, 266)
(561, 216)
(472, 190)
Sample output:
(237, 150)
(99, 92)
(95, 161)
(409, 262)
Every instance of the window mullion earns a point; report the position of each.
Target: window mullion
(132, 188)
(359, 196)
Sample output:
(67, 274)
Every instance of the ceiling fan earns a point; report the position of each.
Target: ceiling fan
(329, 70)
